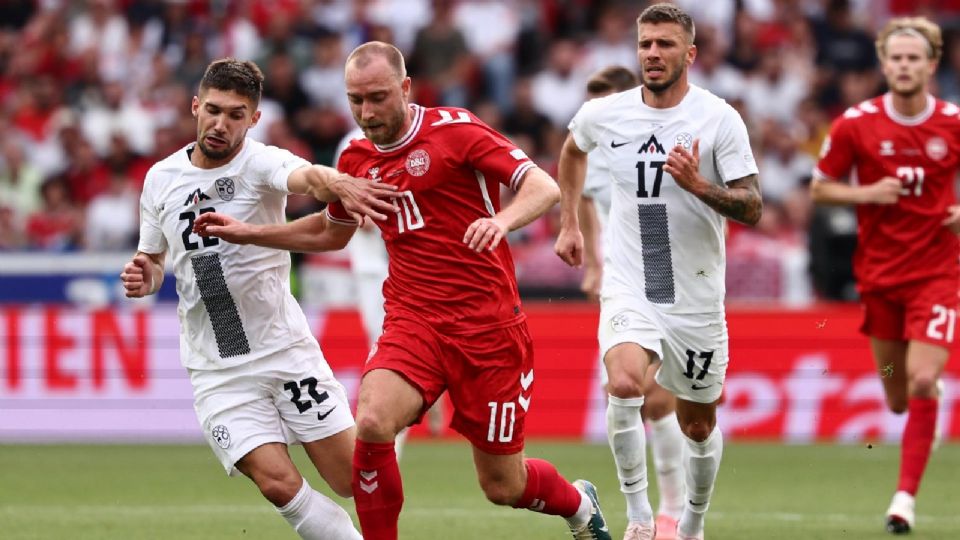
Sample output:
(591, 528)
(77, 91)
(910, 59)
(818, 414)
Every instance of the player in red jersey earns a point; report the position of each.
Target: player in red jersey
(454, 319)
(903, 150)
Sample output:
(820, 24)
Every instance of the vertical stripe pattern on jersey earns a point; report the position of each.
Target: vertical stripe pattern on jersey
(227, 326)
(657, 262)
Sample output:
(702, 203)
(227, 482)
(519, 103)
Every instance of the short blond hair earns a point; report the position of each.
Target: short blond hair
(912, 26)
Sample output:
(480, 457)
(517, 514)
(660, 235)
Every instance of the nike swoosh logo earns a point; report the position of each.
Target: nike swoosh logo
(695, 387)
(326, 414)
(628, 484)
(617, 145)
(696, 504)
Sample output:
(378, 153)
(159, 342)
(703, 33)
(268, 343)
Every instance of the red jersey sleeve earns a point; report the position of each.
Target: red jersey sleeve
(838, 152)
(493, 154)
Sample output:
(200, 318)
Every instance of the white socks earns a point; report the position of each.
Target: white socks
(400, 441)
(667, 442)
(703, 461)
(316, 517)
(628, 443)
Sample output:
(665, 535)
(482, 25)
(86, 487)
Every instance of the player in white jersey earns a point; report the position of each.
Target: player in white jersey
(659, 406)
(260, 380)
(681, 163)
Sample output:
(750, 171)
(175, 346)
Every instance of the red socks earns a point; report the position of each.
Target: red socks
(377, 489)
(547, 491)
(917, 442)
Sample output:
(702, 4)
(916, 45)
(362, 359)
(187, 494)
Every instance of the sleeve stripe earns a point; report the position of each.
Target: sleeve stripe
(340, 221)
(518, 174)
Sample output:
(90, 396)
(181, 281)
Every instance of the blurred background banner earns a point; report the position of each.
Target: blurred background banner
(113, 374)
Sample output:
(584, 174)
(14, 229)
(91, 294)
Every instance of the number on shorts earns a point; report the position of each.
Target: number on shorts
(506, 425)
(311, 385)
(942, 315)
(706, 356)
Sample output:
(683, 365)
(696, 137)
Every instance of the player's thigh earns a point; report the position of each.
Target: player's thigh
(490, 381)
(931, 330)
(502, 477)
(236, 412)
(312, 405)
(630, 340)
(269, 462)
(695, 356)
(332, 457)
(402, 378)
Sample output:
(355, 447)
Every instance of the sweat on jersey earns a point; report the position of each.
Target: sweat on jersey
(903, 242)
(448, 168)
(235, 301)
(660, 239)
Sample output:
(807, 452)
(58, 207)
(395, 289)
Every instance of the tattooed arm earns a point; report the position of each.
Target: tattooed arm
(740, 200)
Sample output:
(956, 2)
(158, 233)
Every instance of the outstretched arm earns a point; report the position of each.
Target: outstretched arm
(592, 260)
(359, 196)
(307, 234)
(885, 191)
(739, 200)
(538, 192)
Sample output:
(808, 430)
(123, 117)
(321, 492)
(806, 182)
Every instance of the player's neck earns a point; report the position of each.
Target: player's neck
(909, 105)
(670, 97)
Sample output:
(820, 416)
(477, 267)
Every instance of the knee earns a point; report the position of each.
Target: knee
(341, 486)
(501, 491)
(923, 385)
(623, 385)
(896, 405)
(376, 426)
(278, 488)
(698, 430)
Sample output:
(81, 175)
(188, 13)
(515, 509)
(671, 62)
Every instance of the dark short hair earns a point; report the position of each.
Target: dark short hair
(611, 78)
(230, 74)
(668, 13)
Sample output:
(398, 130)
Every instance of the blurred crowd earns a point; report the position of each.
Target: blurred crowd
(93, 92)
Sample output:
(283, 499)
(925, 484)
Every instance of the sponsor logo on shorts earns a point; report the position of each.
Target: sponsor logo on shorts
(620, 322)
(221, 435)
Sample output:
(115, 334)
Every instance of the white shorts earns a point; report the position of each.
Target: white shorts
(692, 347)
(288, 397)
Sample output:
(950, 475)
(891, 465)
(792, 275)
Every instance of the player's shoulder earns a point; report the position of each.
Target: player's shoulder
(705, 104)
(614, 104)
(450, 118)
(865, 111)
(945, 110)
(167, 169)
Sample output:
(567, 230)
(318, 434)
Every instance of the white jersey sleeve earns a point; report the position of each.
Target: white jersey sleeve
(151, 234)
(583, 126)
(271, 168)
(733, 155)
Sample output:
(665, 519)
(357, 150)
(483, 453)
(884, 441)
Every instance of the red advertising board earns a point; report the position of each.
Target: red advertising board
(798, 376)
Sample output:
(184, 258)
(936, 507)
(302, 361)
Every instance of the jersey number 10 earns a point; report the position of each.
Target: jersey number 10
(409, 217)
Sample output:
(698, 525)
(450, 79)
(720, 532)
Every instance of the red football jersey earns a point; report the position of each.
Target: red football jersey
(448, 169)
(906, 241)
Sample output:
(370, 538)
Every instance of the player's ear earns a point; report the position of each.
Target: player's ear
(691, 54)
(255, 118)
(405, 86)
(195, 106)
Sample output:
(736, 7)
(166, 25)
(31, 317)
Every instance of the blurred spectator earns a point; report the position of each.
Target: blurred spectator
(101, 31)
(86, 175)
(58, 225)
(613, 42)
(117, 112)
(773, 92)
(782, 165)
(841, 47)
(525, 119)
(491, 28)
(20, 180)
(322, 79)
(709, 69)
(558, 90)
(113, 218)
(440, 61)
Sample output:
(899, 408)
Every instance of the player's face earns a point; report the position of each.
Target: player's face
(378, 100)
(907, 66)
(664, 54)
(223, 118)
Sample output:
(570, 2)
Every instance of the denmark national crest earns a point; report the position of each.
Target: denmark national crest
(418, 163)
(936, 148)
(221, 436)
(226, 188)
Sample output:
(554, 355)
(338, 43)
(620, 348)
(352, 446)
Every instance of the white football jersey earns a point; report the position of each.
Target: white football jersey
(235, 300)
(597, 184)
(660, 239)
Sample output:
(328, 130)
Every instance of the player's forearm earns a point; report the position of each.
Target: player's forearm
(538, 193)
(740, 200)
(571, 172)
(318, 181)
(304, 235)
(590, 228)
(835, 193)
(154, 271)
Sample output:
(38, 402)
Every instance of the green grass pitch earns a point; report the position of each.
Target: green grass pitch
(179, 492)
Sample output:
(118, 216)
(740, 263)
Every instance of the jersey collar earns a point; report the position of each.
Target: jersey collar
(409, 135)
(908, 120)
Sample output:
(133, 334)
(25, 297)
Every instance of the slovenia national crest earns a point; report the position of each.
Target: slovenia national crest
(226, 188)
(221, 436)
(418, 162)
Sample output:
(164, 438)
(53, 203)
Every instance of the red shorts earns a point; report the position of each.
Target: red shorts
(489, 376)
(920, 311)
